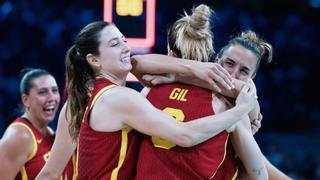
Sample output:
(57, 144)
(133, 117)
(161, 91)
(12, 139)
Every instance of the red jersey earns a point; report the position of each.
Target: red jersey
(229, 168)
(160, 159)
(106, 155)
(40, 154)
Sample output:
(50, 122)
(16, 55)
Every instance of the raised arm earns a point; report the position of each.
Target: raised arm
(204, 73)
(61, 151)
(16, 147)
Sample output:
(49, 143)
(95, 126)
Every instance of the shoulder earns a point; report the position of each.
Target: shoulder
(18, 137)
(120, 95)
(219, 103)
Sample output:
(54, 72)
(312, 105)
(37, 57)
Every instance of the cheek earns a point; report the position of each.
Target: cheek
(227, 68)
(244, 78)
(58, 97)
(38, 101)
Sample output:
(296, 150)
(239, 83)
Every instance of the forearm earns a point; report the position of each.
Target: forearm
(249, 152)
(159, 64)
(61, 151)
(204, 128)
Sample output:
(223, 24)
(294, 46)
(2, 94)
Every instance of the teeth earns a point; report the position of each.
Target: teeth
(49, 108)
(126, 59)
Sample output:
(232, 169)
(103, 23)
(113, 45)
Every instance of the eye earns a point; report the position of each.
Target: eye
(245, 72)
(55, 90)
(113, 44)
(42, 92)
(229, 63)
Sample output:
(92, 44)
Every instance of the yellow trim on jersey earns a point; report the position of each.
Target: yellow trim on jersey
(235, 174)
(213, 93)
(51, 130)
(23, 173)
(74, 164)
(224, 156)
(75, 172)
(100, 92)
(123, 152)
(97, 96)
(35, 149)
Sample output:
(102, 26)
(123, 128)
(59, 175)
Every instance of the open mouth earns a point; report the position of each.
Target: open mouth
(49, 109)
(126, 59)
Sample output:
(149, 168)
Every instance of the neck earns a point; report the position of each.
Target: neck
(42, 128)
(113, 79)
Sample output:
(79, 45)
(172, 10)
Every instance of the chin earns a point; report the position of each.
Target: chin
(127, 68)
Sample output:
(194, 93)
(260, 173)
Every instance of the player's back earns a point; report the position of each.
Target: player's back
(160, 159)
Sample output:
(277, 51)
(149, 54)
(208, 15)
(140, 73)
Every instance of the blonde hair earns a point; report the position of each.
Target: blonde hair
(190, 37)
(251, 41)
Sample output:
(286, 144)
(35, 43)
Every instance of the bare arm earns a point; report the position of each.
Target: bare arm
(207, 73)
(16, 146)
(132, 109)
(61, 151)
(248, 150)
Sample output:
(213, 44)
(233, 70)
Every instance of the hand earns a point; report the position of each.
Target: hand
(256, 124)
(214, 74)
(158, 79)
(246, 98)
(252, 86)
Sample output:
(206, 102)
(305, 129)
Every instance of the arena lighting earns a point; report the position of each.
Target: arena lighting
(143, 42)
(132, 8)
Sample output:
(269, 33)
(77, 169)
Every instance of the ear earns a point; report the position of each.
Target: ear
(93, 60)
(25, 100)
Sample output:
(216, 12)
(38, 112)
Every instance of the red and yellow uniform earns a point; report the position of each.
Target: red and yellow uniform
(39, 156)
(106, 155)
(160, 159)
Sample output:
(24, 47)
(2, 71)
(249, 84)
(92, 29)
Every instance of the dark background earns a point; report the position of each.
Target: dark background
(37, 33)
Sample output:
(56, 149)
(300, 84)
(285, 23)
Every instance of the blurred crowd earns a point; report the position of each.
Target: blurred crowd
(36, 33)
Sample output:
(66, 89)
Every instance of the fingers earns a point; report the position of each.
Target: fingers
(222, 76)
(148, 77)
(256, 124)
(254, 129)
(215, 87)
(157, 79)
(245, 88)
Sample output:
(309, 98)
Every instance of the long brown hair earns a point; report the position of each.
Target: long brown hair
(80, 75)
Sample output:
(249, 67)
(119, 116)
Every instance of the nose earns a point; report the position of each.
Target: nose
(53, 96)
(126, 48)
(232, 72)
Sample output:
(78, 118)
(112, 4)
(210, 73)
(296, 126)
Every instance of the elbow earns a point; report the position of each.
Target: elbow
(185, 142)
(184, 139)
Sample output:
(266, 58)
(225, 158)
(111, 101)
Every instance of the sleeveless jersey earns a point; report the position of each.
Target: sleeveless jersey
(160, 159)
(40, 154)
(106, 155)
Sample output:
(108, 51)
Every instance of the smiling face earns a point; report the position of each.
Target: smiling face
(114, 53)
(43, 99)
(239, 62)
